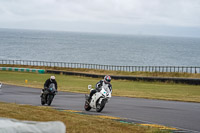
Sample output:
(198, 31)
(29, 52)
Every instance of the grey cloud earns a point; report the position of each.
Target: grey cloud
(146, 11)
(182, 13)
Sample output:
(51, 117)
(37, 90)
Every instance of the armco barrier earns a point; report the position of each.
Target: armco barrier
(22, 69)
(191, 81)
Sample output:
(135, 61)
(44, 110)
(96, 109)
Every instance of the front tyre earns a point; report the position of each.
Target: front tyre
(42, 99)
(87, 106)
(49, 99)
(100, 106)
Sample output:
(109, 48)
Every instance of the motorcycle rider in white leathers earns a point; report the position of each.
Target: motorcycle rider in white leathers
(106, 80)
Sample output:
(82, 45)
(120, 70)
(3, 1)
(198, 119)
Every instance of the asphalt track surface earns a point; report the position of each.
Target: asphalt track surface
(181, 115)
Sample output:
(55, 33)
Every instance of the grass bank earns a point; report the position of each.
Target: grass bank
(150, 90)
(75, 123)
(104, 72)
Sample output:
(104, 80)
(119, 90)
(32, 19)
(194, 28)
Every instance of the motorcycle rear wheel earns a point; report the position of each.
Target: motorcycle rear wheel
(87, 106)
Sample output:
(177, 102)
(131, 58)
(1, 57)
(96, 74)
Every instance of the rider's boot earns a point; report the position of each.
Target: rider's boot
(42, 93)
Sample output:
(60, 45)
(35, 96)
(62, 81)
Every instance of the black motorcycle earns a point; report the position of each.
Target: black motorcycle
(48, 95)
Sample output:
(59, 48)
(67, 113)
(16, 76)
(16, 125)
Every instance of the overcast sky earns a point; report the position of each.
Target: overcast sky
(155, 17)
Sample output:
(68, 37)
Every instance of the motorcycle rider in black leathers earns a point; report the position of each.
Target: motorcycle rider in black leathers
(48, 82)
(106, 80)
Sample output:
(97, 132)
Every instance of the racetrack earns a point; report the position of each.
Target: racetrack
(182, 115)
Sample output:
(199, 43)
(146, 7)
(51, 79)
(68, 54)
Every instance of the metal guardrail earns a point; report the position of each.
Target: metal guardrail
(186, 69)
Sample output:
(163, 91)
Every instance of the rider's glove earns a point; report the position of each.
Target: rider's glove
(98, 89)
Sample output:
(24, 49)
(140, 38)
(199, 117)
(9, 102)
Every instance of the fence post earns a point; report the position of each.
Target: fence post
(189, 69)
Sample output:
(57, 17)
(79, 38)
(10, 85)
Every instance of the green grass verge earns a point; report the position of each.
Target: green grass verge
(105, 72)
(75, 123)
(151, 90)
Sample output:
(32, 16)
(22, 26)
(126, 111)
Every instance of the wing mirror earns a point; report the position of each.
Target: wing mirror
(89, 87)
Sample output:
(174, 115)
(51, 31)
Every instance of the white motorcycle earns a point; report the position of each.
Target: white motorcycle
(99, 99)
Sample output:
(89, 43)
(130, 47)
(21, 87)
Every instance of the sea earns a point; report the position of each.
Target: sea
(99, 48)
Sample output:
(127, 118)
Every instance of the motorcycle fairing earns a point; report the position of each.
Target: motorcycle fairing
(95, 97)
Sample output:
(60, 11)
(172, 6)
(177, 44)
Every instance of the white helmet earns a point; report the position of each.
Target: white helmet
(53, 77)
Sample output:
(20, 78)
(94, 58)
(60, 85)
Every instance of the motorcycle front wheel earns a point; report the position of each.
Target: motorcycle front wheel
(49, 99)
(100, 106)
(42, 100)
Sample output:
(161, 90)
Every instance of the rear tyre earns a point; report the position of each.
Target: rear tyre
(87, 106)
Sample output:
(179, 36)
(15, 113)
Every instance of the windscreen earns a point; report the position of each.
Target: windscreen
(52, 87)
(106, 88)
